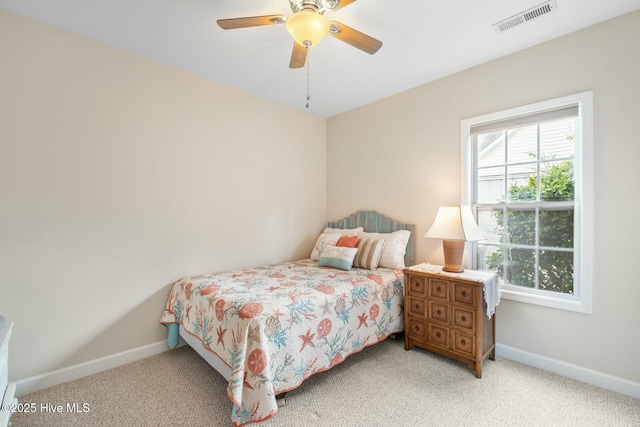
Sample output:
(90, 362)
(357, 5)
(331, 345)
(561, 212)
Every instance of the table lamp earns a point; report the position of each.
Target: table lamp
(455, 226)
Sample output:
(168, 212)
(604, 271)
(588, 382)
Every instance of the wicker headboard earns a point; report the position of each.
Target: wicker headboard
(373, 222)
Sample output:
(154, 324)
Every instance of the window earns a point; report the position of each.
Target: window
(528, 177)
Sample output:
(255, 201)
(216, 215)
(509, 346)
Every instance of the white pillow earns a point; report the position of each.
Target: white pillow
(337, 257)
(345, 231)
(322, 241)
(395, 247)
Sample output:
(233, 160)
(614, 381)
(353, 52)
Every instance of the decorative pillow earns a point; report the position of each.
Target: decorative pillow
(369, 251)
(394, 249)
(348, 241)
(345, 231)
(337, 257)
(322, 241)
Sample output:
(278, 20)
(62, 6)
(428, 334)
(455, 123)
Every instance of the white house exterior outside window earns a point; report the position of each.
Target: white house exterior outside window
(528, 175)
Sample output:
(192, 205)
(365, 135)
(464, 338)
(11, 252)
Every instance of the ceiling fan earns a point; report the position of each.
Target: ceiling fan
(308, 27)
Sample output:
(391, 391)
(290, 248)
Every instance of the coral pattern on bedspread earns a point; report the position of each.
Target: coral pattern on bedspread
(277, 325)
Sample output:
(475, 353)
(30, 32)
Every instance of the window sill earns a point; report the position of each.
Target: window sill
(547, 299)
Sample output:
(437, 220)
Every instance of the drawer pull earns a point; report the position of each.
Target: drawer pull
(463, 341)
(416, 328)
(464, 318)
(438, 334)
(438, 288)
(439, 312)
(464, 293)
(417, 306)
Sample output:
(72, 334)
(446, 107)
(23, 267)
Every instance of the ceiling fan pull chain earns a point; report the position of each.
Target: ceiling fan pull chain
(308, 95)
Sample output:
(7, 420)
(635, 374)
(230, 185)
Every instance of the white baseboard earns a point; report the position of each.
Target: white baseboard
(585, 375)
(60, 376)
(578, 373)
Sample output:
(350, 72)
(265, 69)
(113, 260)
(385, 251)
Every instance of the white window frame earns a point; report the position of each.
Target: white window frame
(581, 300)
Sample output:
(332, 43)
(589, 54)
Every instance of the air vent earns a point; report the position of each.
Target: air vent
(527, 15)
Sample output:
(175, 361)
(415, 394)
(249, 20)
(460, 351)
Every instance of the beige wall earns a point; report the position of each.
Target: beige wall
(118, 175)
(401, 156)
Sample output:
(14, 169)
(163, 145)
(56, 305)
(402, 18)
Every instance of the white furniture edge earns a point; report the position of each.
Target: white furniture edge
(8, 399)
(61, 376)
(578, 373)
(7, 395)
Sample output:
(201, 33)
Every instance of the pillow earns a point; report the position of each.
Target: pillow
(337, 257)
(348, 241)
(395, 247)
(346, 231)
(322, 241)
(369, 251)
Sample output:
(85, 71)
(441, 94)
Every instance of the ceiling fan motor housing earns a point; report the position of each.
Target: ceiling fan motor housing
(319, 6)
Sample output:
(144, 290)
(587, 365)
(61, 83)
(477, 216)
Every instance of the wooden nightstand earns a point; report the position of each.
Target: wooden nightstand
(447, 313)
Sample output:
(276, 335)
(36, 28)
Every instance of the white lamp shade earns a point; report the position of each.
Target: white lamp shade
(307, 27)
(455, 223)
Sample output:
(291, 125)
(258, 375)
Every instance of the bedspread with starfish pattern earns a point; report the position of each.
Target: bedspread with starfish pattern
(276, 325)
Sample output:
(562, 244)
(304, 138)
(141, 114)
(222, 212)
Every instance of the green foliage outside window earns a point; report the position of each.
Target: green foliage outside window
(555, 230)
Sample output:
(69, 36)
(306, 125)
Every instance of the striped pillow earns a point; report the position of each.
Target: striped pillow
(369, 252)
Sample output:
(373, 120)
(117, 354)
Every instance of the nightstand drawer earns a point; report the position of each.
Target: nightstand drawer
(418, 286)
(439, 289)
(463, 318)
(463, 293)
(416, 307)
(417, 329)
(464, 343)
(439, 312)
(438, 335)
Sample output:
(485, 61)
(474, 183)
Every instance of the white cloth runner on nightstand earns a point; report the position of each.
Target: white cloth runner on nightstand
(491, 283)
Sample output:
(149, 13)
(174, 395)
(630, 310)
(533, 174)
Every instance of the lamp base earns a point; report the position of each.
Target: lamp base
(453, 251)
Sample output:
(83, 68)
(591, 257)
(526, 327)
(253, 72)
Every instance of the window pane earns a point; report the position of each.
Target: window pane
(490, 149)
(522, 144)
(521, 227)
(556, 271)
(522, 182)
(490, 222)
(556, 228)
(557, 139)
(491, 185)
(520, 266)
(490, 259)
(557, 181)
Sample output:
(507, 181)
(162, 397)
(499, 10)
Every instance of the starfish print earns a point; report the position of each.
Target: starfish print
(221, 333)
(307, 339)
(326, 307)
(278, 313)
(253, 335)
(363, 320)
(376, 293)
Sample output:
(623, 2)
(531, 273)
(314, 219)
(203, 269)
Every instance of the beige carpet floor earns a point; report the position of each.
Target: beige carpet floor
(382, 386)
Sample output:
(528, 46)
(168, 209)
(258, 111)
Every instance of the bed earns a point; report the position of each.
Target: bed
(267, 329)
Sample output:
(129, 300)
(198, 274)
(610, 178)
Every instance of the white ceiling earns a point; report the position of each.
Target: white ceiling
(423, 40)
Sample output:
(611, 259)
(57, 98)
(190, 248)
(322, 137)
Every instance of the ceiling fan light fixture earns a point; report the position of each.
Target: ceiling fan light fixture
(307, 27)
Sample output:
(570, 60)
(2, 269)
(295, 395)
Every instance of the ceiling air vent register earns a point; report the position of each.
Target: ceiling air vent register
(525, 16)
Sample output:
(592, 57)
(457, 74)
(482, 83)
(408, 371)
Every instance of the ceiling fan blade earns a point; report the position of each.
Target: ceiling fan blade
(354, 37)
(342, 3)
(298, 56)
(251, 21)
